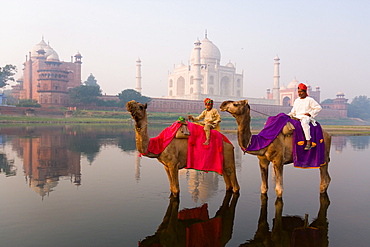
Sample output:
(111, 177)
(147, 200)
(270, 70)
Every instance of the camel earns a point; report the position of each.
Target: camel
(279, 152)
(174, 156)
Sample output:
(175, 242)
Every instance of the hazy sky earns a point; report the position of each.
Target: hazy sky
(325, 43)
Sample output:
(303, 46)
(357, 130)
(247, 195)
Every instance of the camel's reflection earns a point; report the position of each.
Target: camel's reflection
(193, 227)
(291, 231)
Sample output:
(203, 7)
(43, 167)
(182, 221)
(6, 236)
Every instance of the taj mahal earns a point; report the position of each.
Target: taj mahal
(205, 76)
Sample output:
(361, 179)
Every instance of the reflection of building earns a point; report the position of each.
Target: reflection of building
(205, 76)
(46, 78)
(46, 158)
(202, 185)
(338, 142)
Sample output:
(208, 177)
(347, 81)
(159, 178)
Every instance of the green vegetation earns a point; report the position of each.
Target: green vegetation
(130, 94)
(6, 74)
(28, 103)
(91, 81)
(84, 95)
(359, 107)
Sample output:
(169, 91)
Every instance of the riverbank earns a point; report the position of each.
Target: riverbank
(333, 127)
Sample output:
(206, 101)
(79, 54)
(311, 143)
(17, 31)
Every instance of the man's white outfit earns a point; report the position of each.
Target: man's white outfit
(302, 106)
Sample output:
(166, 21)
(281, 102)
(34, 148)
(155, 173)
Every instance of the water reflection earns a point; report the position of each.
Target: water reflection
(52, 152)
(7, 166)
(193, 227)
(359, 142)
(291, 230)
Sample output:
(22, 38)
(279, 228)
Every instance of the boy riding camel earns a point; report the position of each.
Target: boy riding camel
(211, 118)
(305, 109)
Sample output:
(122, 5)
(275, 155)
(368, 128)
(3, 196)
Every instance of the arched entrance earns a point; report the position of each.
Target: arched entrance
(286, 101)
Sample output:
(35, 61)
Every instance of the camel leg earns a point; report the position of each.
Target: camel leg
(325, 178)
(264, 168)
(173, 178)
(229, 170)
(227, 180)
(278, 169)
(230, 178)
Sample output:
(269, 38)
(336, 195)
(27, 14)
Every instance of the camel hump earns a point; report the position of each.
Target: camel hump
(288, 129)
(183, 132)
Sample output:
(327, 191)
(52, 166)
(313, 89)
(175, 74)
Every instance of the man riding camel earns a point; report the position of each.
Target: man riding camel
(305, 109)
(211, 118)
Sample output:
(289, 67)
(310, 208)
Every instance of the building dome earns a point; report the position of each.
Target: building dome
(229, 64)
(53, 57)
(340, 94)
(50, 51)
(180, 65)
(293, 84)
(40, 46)
(209, 51)
(283, 87)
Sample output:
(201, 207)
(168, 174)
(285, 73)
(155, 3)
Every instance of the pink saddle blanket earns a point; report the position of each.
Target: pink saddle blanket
(200, 157)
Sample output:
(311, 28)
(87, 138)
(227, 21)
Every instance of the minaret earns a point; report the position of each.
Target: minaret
(276, 88)
(197, 75)
(77, 74)
(138, 75)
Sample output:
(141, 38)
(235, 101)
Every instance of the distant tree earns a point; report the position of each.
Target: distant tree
(327, 101)
(108, 103)
(28, 103)
(6, 74)
(91, 81)
(84, 95)
(359, 107)
(131, 94)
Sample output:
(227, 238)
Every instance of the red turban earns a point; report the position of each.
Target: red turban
(208, 101)
(302, 86)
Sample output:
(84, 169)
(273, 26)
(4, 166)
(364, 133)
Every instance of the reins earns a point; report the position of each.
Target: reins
(261, 112)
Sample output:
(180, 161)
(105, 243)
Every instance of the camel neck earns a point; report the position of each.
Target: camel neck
(244, 131)
(142, 137)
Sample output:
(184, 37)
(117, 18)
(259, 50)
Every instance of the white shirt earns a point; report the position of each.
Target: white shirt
(306, 105)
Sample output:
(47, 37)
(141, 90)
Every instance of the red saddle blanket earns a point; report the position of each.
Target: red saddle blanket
(200, 157)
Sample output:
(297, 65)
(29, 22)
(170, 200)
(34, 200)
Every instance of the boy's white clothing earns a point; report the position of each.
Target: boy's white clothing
(300, 108)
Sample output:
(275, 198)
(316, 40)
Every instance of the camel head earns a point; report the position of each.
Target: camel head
(236, 108)
(241, 111)
(137, 110)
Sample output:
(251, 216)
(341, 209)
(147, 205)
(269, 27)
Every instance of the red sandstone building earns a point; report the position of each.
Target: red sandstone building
(46, 78)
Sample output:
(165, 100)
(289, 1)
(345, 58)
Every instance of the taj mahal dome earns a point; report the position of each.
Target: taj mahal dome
(204, 76)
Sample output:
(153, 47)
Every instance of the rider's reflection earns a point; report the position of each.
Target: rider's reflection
(193, 227)
(291, 231)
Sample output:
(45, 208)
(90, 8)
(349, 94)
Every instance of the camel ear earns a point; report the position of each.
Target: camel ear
(145, 105)
(246, 102)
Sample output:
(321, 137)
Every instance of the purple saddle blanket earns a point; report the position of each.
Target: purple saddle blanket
(313, 158)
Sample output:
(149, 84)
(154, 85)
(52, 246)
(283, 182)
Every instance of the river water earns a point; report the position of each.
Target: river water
(71, 185)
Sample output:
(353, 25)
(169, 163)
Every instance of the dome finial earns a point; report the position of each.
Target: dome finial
(205, 34)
